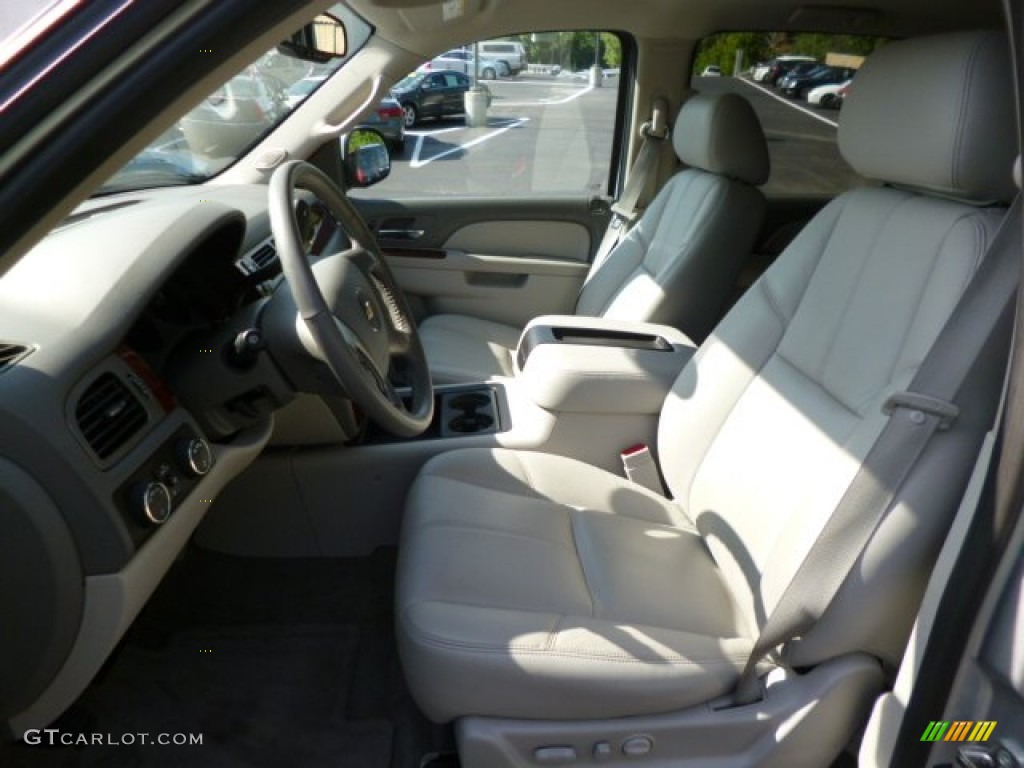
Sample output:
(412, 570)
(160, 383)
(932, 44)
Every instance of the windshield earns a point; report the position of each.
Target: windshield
(234, 118)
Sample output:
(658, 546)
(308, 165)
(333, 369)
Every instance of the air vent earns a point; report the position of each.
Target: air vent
(109, 415)
(259, 258)
(265, 255)
(11, 354)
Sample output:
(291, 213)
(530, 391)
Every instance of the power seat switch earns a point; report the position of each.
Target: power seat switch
(554, 755)
(975, 757)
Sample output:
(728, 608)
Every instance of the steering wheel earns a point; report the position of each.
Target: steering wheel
(368, 326)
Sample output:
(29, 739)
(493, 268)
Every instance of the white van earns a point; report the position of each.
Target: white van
(510, 54)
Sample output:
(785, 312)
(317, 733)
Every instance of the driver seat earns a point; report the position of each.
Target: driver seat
(559, 613)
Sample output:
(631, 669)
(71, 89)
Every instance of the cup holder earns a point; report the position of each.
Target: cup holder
(469, 402)
(476, 422)
(468, 413)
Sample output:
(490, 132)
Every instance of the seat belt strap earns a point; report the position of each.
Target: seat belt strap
(625, 211)
(982, 312)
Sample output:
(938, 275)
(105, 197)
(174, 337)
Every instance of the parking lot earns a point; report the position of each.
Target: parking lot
(543, 134)
(554, 135)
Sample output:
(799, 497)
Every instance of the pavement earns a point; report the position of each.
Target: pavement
(551, 135)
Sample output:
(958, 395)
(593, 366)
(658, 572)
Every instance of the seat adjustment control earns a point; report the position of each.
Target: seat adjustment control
(555, 755)
(637, 746)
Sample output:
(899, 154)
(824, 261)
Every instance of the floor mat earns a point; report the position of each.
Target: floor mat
(275, 663)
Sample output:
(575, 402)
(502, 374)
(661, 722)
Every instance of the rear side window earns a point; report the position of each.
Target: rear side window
(795, 82)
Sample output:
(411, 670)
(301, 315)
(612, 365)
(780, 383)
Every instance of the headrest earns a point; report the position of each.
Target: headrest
(937, 114)
(721, 134)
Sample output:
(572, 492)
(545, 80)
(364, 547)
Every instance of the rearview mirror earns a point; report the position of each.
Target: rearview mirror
(366, 158)
(319, 41)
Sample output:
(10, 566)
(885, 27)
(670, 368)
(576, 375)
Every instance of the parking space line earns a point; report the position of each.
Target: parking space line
(546, 102)
(552, 83)
(500, 123)
(789, 102)
(415, 161)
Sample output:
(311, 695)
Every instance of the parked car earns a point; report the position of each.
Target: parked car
(300, 89)
(510, 55)
(235, 115)
(213, 554)
(773, 69)
(826, 96)
(432, 94)
(464, 62)
(389, 121)
(797, 70)
(712, 71)
(841, 96)
(795, 84)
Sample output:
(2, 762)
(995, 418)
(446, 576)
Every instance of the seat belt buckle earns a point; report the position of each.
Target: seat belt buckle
(921, 406)
(641, 468)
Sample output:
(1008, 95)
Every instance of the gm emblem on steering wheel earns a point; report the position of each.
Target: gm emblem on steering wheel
(368, 310)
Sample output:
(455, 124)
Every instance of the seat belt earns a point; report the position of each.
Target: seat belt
(625, 211)
(914, 416)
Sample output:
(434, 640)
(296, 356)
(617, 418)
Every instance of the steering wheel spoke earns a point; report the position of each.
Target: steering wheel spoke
(367, 323)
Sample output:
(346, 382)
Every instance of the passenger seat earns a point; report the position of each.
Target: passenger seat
(677, 266)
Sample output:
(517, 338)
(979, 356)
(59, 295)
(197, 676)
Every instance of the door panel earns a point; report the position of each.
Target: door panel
(497, 259)
(506, 289)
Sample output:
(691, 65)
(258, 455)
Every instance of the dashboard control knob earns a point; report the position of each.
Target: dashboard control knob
(195, 456)
(153, 502)
(246, 347)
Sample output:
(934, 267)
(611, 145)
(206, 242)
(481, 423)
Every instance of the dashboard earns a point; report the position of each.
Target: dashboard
(132, 390)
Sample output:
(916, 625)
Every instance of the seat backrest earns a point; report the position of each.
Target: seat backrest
(678, 265)
(765, 428)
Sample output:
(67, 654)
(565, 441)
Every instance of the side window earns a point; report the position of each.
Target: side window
(796, 84)
(547, 126)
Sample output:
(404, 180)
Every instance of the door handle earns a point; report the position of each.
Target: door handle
(401, 234)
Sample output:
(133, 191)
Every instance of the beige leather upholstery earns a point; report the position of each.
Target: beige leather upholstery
(577, 377)
(532, 587)
(462, 348)
(720, 134)
(536, 584)
(676, 267)
(969, 140)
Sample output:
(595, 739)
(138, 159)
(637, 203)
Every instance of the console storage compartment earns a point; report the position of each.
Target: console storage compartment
(593, 365)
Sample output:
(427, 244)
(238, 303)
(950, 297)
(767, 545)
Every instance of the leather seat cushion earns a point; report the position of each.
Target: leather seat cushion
(462, 348)
(537, 586)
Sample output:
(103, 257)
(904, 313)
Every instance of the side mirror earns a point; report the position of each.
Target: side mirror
(320, 41)
(366, 158)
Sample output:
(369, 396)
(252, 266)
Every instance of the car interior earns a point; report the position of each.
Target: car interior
(677, 266)
(612, 430)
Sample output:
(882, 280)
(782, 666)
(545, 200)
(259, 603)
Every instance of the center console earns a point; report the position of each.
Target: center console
(576, 364)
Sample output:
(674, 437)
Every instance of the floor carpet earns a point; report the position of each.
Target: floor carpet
(274, 662)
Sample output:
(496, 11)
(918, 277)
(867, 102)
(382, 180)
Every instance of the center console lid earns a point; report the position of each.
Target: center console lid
(594, 365)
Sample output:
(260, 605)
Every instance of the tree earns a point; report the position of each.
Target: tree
(611, 50)
(720, 50)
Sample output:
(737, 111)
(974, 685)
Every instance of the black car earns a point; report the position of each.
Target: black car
(796, 85)
(432, 94)
(780, 67)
